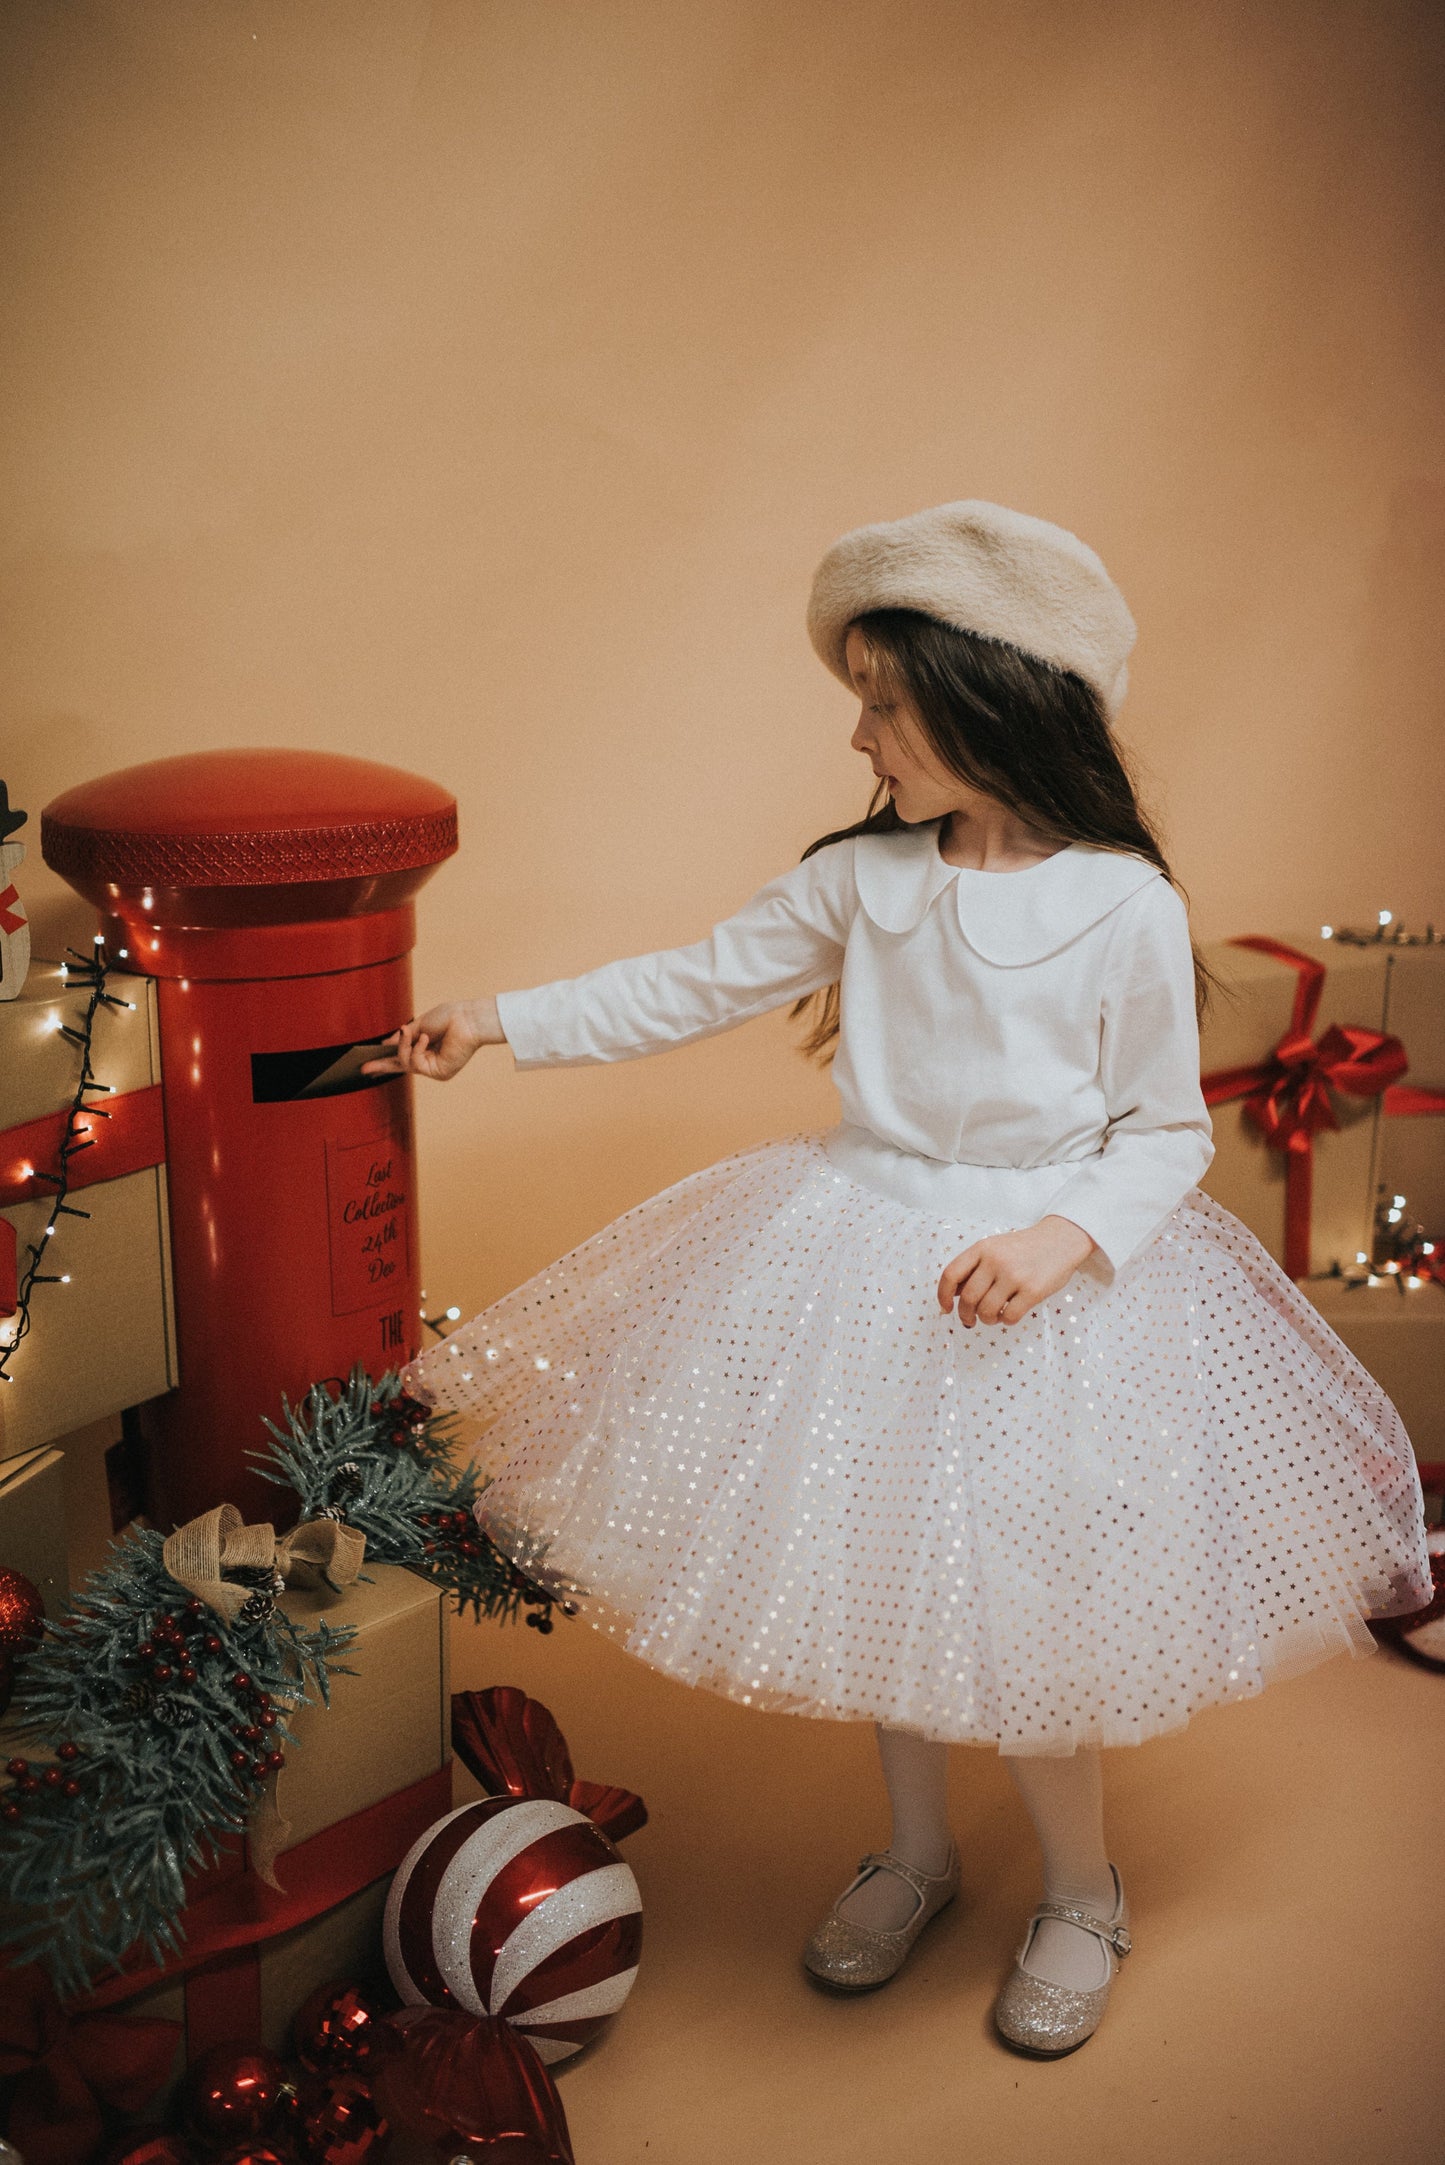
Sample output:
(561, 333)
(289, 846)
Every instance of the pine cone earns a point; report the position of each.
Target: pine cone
(174, 1713)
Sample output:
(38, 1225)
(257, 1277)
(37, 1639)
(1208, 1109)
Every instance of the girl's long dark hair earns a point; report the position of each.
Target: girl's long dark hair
(1031, 736)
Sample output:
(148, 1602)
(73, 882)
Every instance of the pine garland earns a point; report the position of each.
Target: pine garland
(383, 1462)
(163, 1727)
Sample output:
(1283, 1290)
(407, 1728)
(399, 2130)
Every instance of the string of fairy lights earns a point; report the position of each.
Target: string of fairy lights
(88, 971)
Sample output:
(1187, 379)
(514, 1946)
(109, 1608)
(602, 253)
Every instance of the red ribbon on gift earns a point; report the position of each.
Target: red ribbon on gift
(128, 1137)
(1288, 1098)
(68, 2069)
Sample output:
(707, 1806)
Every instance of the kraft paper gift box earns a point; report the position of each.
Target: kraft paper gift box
(1380, 989)
(1412, 1148)
(106, 1339)
(365, 1777)
(1246, 1175)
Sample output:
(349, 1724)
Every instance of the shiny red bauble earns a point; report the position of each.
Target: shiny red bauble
(334, 2120)
(335, 2030)
(232, 2093)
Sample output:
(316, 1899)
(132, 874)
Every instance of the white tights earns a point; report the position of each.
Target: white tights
(1063, 1798)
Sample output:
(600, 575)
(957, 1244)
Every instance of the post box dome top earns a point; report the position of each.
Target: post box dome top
(247, 818)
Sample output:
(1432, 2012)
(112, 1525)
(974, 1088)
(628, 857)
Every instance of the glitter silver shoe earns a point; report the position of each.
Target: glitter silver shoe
(1047, 2020)
(848, 1957)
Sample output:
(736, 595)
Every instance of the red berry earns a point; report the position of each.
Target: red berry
(268, 1719)
(28, 1786)
(51, 1777)
(188, 1674)
(167, 1623)
(211, 1643)
(240, 1759)
(428, 1548)
(147, 1650)
(10, 1813)
(251, 1734)
(194, 1607)
(260, 1768)
(263, 1698)
(275, 1760)
(68, 1751)
(163, 1672)
(17, 1769)
(70, 1788)
(240, 1681)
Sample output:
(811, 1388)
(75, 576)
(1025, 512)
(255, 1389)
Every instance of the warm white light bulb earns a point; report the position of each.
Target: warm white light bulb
(453, 1315)
(1385, 916)
(1327, 932)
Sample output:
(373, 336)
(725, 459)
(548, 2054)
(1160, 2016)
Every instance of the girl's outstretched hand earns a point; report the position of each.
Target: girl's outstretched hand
(999, 1279)
(440, 1042)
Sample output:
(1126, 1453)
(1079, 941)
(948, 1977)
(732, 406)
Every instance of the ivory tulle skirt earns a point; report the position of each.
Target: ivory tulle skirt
(735, 1428)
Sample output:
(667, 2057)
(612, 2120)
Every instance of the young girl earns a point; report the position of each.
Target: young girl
(971, 1416)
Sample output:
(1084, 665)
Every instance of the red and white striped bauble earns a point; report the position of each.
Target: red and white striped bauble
(518, 1907)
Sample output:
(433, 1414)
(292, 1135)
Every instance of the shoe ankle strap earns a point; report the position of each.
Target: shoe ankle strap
(922, 1883)
(1113, 1935)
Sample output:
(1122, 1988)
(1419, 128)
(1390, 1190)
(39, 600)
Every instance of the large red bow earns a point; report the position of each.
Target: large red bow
(68, 2069)
(1287, 1096)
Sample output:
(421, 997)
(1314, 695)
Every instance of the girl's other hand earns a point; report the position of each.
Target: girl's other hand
(440, 1042)
(998, 1280)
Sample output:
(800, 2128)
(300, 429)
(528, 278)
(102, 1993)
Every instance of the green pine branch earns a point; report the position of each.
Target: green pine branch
(385, 1464)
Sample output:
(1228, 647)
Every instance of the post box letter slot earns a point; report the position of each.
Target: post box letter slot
(319, 1071)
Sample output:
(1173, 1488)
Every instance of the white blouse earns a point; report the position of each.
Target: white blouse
(1037, 1020)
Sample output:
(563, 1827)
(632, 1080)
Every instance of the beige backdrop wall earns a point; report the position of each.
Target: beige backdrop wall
(475, 385)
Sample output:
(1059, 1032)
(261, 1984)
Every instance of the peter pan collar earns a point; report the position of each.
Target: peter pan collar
(1007, 917)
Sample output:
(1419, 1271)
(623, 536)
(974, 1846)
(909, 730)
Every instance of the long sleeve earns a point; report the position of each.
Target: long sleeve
(787, 941)
(1160, 1141)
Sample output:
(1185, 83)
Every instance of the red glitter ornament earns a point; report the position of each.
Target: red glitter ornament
(22, 1613)
(335, 2030)
(335, 2120)
(232, 2093)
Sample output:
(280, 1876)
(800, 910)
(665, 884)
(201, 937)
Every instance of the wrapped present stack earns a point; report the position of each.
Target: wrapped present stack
(1324, 1069)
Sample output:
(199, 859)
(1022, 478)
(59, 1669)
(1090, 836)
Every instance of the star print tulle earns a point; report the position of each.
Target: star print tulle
(735, 1428)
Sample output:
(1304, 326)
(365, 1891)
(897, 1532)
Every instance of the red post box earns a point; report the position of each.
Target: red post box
(270, 894)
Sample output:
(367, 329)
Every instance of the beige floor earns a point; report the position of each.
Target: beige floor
(1285, 1861)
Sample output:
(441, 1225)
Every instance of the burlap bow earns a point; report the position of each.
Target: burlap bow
(198, 1554)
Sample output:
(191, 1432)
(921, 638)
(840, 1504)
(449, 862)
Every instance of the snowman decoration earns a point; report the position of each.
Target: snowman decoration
(14, 925)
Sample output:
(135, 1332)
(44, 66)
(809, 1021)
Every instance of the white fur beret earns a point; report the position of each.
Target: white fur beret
(980, 567)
